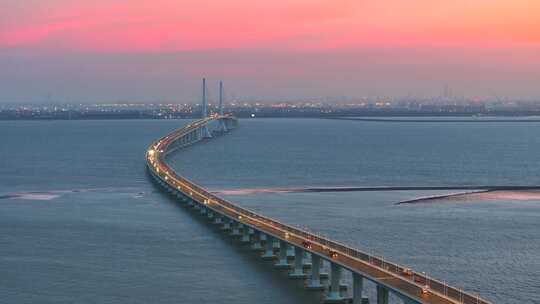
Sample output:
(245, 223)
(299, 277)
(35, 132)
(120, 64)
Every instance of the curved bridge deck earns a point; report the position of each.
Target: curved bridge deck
(410, 286)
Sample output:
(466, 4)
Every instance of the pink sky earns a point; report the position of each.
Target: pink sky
(455, 39)
(307, 25)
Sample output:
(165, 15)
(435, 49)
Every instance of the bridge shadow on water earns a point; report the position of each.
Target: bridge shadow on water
(278, 280)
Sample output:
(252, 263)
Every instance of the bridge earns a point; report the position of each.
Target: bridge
(290, 247)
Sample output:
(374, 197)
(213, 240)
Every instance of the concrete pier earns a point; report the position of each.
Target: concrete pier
(358, 286)
(408, 300)
(269, 249)
(235, 229)
(226, 224)
(382, 295)
(315, 279)
(256, 241)
(334, 293)
(290, 252)
(282, 262)
(306, 263)
(246, 237)
(298, 270)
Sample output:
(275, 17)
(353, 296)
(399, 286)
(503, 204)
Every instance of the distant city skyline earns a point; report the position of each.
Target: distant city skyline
(87, 52)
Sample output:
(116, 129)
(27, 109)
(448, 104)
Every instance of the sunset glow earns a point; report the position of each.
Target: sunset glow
(155, 50)
(167, 26)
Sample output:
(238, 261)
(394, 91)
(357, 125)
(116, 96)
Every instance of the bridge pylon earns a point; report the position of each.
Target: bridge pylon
(205, 133)
(222, 123)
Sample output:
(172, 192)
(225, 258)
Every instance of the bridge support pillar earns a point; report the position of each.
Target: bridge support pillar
(409, 301)
(358, 286)
(382, 295)
(245, 235)
(290, 251)
(307, 260)
(315, 280)
(298, 271)
(269, 249)
(235, 229)
(218, 220)
(283, 263)
(334, 294)
(256, 241)
(240, 228)
(210, 214)
(226, 224)
(204, 210)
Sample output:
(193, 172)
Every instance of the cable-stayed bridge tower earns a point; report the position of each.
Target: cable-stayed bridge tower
(205, 133)
(222, 124)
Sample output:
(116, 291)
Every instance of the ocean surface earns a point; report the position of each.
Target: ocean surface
(81, 222)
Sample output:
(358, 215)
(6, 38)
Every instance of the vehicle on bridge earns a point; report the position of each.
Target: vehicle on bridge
(407, 271)
(333, 254)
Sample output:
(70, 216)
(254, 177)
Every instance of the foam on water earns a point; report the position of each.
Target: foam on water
(501, 195)
(53, 194)
(30, 196)
(36, 197)
(477, 196)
